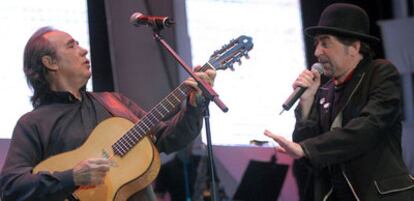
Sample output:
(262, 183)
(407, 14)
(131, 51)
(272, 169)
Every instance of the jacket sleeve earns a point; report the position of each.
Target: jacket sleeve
(369, 124)
(178, 130)
(305, 129)
(18, 183)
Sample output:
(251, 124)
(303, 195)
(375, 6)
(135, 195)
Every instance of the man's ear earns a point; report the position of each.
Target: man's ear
(49, 63)
(356, 46)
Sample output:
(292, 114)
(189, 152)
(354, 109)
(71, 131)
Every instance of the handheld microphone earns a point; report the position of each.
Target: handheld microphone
(297, 93)
(158, 22)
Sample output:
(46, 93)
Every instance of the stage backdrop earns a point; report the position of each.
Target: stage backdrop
(397, 36)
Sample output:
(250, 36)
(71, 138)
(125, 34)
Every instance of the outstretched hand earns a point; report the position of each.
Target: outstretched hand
(291, 148)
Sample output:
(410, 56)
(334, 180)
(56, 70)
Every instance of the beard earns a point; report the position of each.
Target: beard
(328, 69)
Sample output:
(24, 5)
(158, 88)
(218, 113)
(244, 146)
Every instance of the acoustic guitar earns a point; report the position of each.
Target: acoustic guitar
(134, 158)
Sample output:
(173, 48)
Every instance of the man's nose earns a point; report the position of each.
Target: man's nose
(318, 51)
(83, 51)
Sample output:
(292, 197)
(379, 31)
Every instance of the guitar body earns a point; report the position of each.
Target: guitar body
(128, 174)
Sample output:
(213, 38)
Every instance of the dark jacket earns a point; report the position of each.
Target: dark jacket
(364, 138)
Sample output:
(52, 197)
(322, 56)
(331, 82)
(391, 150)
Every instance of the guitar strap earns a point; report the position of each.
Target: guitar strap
(114, 106)
(117, 109)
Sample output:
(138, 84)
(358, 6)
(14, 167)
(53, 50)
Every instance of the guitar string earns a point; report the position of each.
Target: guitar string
(125, 143)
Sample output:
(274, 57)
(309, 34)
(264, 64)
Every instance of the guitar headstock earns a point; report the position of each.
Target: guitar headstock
(231, 53)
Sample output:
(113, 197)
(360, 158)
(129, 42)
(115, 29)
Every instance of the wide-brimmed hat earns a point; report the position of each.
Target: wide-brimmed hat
(341, 19)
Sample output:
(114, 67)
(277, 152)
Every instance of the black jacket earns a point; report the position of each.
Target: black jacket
(364, 138)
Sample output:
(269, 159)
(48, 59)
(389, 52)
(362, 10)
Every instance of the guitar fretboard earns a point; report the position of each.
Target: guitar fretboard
(152, 118)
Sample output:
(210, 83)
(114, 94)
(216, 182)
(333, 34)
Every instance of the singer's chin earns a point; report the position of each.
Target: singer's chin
(328, 72)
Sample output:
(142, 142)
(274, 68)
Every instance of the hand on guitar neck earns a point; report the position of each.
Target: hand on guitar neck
(207, 76)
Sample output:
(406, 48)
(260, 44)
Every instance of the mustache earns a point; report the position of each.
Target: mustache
(323, 59)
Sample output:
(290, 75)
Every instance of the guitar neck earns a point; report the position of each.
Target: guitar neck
(153, 117)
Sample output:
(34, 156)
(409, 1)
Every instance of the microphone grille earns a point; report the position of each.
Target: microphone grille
(318, 67)
(134, 17)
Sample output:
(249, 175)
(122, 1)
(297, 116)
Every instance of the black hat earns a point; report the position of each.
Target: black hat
(345, 20)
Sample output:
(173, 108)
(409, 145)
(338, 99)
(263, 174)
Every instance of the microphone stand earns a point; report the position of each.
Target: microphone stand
(210, 95)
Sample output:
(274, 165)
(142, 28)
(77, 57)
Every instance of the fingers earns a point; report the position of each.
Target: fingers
(208, 77)
(269, 134)
(99, 164)
(281, 150)
(279, 139)
(291, 148)
(197, 68)
(273, 136)
(210, 72)
(193, 84)
(91, 172)
(317, 75)
(305, 79)
(276, 138)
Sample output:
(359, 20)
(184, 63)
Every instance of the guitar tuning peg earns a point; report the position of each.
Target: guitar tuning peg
(247, 56)
(231, 68)
(239, 61)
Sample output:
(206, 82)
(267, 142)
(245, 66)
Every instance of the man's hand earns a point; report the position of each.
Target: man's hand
(310, 80)
(208, 77)
(291, 148)
(90, 172)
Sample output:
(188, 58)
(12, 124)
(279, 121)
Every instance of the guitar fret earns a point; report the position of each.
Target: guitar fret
(160, 112)
(134, 129)
(133, 137)
(116, 149)
(170, 102)
(177, 99)
(145, 124)
(182, 92)
(121, 147)
(136, 136)
(139, 128)
(153, 117)
(174, 100)
(162, 115)
(141, 135)
(130, 140)
(150, 122)
(125, 143)
(166, 110)
(207, 66)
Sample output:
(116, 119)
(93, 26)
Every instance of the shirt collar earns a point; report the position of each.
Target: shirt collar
(61, 97)
(354, 71)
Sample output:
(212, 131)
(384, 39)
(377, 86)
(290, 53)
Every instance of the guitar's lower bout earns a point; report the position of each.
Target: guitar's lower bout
(129, 174)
